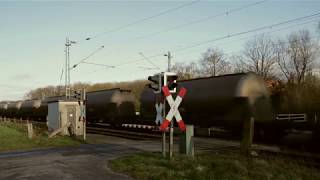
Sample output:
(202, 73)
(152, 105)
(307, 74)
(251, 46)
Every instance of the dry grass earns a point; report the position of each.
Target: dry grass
(14, 137)
(211, 166)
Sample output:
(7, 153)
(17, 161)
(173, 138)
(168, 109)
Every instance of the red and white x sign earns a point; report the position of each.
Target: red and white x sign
(174, 112)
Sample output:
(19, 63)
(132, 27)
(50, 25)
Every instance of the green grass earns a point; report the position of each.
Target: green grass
(14, 137)
(151, 166)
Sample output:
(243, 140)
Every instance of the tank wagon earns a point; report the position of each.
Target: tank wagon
(13, 109)
(223, 101)
(31, 110)
(114, 106)
(3, 108)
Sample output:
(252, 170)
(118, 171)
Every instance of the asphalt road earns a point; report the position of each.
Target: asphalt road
(84, 162)
(88, 161)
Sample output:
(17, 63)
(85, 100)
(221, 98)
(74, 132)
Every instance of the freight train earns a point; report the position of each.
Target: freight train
(224, 101)
(113, 106)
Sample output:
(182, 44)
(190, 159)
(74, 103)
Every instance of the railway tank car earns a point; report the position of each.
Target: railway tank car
(3, 108)
(31, 110)
(114, 106)
(223, 101)
(13, 109)
(35, 109)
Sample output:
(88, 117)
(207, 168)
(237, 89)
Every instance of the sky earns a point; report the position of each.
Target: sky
(33, 35)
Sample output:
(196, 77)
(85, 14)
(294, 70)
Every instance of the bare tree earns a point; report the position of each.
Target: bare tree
(213, 63)
(259, 56)
(186, 70)
(238, 64)
(295, 58)
(43, 92)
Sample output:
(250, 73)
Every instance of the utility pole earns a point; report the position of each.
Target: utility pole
(169, 61)
(67, 67)
(67, 44)
(164, 109)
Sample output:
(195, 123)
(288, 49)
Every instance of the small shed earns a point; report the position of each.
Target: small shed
(65, 114)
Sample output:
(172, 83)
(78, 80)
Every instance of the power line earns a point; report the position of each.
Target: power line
(147, 68)
(250, 31)
(138, 60)
(230, 35)
(144, 19)
(179, 26)
(104, 65)
(91, 54)
(60, 82)
(226, 13)
(281, 29)
(199, 20)
(146, 58)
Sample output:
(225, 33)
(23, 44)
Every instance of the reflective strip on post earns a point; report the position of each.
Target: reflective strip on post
(164, 125)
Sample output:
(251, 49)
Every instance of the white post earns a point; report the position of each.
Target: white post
(30, 130)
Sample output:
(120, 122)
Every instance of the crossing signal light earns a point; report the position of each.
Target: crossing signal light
(80, 94)
(77, 94)
(170, 80)
(159, 80)
(156, 84)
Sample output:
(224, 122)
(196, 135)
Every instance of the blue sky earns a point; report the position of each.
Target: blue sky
(32, 36)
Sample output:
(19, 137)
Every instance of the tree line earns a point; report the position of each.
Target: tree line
(289, 59)
(290, 66)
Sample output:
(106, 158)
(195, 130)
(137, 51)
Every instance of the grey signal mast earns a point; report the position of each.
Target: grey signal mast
(67, 67)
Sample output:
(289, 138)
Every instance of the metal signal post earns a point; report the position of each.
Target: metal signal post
(67, 67)
(164, 110)
(165, 79)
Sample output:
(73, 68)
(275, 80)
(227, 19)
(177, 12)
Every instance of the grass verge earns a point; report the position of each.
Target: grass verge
(152, 166)
(14, 137)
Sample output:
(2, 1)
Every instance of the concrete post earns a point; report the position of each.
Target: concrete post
(171, 140)
(247, 136)
(30, 130)
(186, 145)
(163, 144)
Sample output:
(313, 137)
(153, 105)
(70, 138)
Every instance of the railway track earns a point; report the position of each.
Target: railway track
(123, 133)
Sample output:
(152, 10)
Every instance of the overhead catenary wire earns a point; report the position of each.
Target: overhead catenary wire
(147, 68)
(91, 54)
(225, 13)
(231, 35)
(97, 64)
(179, 26)
(146, 58)
(264, 33)
(250, 31)
(144, 19)
(61, 76)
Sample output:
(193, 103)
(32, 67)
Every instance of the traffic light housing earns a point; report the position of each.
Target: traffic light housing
(157, 82)
(170, 80)
(80, 94)
(163, 79)
(77, 94)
